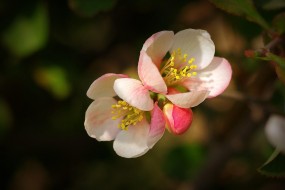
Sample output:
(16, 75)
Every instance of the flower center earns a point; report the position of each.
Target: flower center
(173, 74)
(130, 114)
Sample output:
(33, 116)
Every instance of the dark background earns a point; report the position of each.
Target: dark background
(50, 53)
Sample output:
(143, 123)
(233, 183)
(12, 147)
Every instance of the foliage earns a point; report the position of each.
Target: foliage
(242, 8)
(274, 166)
(28, 32)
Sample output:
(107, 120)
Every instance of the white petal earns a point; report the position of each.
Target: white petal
(103, 86)
(196, 44)
(275, 132)
(215, 78)
(134, 93)
(158, 45)
(150, 75)
(188, 99)
(98, 120)
(132, 143)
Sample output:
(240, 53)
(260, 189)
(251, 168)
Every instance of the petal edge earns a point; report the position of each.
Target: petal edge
(134, 93)
(103, 86)
(150, 75)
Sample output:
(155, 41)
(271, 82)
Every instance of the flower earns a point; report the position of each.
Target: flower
(275, 132)
(178, 120)
(177, 72)
(120, 112)
(183, 67)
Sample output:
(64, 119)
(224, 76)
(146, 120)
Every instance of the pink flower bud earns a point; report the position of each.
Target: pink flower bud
(178, 120)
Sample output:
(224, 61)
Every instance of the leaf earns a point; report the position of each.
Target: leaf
(266, 56)
(279, 62)
(241, 8)
(274, 166)
(89, 8)
(278, 23)
(28, 33)
(277, 59)
(54, 80)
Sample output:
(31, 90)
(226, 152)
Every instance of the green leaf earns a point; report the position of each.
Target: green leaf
(279, 62)
(279, 23)
(277, 59)
(89, 8)
(274, 166)
(28, 33)
(266, 56)
(241, 8)
(54, 80)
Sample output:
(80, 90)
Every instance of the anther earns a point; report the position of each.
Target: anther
(130, 115)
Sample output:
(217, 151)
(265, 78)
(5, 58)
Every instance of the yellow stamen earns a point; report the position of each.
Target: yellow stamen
(191, 60)
(172, 74)
(130, 114)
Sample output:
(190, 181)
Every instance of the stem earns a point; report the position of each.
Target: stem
(273, 43)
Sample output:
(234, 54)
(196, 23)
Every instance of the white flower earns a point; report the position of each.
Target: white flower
(123, 120)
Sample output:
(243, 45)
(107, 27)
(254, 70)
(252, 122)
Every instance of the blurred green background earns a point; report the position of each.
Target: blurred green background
(52, 50)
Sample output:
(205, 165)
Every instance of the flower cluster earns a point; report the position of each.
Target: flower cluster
(176, 71)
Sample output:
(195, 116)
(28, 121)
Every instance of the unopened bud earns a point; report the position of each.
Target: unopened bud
(178, 120)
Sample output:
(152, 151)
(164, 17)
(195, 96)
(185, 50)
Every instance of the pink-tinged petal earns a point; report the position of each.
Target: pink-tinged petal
(158, 45)
(275, 132)
(98, 120)
(216, 77)
(178, 119)
(134, 93)
(157, 126)
(196, 44)
(132, 143)
(188, 99)
(150, 75)
(103, 86)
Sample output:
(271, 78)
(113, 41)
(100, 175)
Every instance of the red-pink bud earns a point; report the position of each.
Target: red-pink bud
(178, 120)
